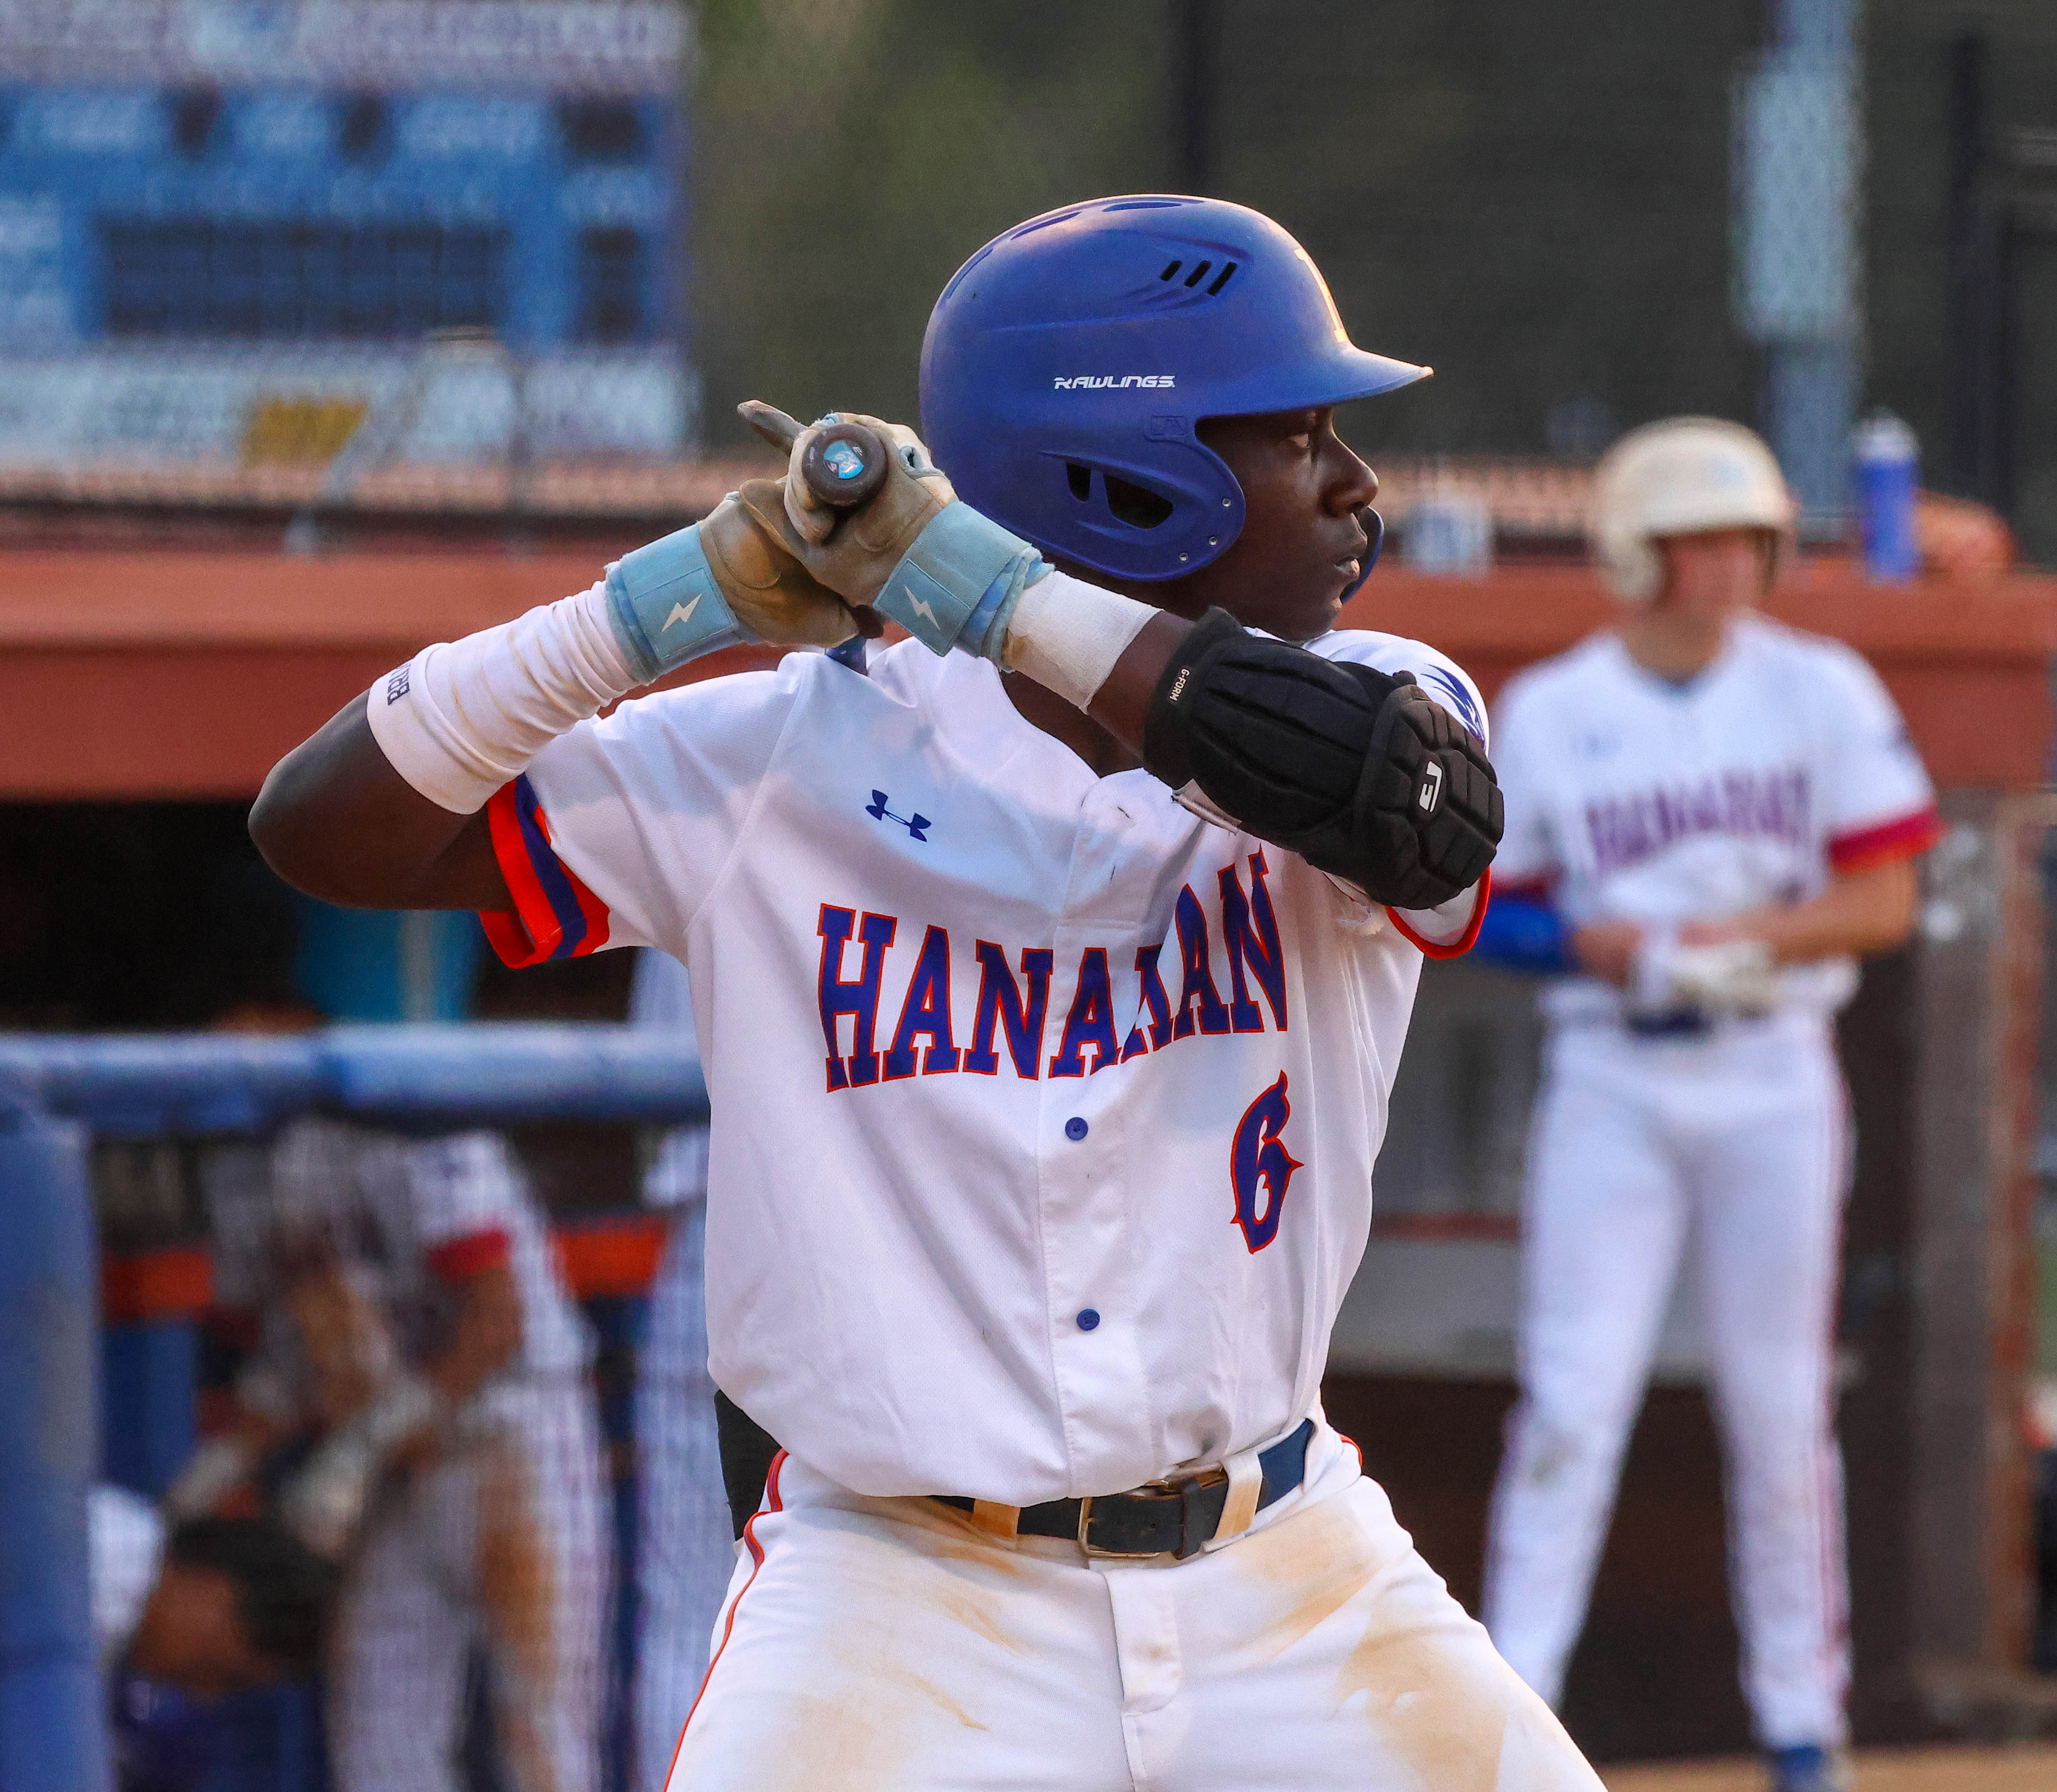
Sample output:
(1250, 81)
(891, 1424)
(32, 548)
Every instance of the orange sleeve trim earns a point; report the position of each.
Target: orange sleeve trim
(1907, 837)
(1462, 943)
(459, 1259)
(555, 915)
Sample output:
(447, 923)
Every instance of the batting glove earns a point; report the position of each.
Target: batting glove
(728, 579)
(948, 574)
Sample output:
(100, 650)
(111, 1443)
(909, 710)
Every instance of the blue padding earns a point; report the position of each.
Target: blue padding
(1523, 934)
(487, 1071)
(140, 1086)
(479, 1073)
(52, 1736)
(149, 1374)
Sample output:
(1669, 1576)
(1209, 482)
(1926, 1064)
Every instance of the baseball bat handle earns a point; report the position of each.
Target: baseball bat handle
(845, 464)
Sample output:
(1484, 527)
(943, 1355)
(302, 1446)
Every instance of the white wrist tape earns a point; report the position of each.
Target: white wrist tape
(1067, 635)
(462, 718)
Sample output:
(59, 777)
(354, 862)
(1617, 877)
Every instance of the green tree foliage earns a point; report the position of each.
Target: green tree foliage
(848, 155)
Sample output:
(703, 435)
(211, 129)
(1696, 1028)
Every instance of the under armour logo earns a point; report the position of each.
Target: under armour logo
(1431, 792)
(682, 613)
(918, 825)
(918, 605)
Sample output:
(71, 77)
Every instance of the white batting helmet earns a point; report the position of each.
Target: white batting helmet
(1683, 476)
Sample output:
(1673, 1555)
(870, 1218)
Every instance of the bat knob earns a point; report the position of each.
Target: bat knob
(844, 465)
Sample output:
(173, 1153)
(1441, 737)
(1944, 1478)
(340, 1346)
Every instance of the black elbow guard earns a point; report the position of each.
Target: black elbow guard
(1361, 772)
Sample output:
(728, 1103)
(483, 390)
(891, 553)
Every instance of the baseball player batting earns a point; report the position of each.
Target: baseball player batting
(1709, 816)
(1051, 976)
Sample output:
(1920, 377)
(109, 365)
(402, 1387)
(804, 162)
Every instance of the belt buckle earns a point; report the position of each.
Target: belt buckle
(1182, 1490)
(1094, 1549)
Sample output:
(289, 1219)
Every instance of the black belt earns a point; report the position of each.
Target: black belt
(1166, 1518)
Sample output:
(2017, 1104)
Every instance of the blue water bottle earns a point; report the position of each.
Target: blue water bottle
(1887, 458)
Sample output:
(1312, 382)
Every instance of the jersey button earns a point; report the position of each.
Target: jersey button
(1076, 1129)
(1088, 1317)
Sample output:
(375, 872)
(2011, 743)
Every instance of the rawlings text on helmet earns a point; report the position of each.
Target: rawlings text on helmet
(1098, 382)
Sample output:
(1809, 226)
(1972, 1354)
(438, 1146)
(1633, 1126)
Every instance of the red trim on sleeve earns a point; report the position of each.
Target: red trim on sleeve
(1462, 943)
(1907, 837)
(529, 935)
(459, 1259)
(555, 916)
(1540, 889)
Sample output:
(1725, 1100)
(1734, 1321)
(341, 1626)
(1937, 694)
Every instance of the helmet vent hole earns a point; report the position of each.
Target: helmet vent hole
(1137, 506)
(1198, 273)
(1220, 279)
(1169, 269)
(1080, 478)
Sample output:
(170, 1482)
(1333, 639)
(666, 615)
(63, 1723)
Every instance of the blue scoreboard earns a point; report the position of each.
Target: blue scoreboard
(204, 203)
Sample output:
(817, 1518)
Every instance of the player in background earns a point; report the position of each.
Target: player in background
(413, 1327)
(1710, 817)
(184, 1617)
(685, 1548)
(1052, 975)
(211, 1606)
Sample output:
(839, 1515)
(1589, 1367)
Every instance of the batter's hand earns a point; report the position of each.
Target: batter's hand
(772, 593)
(1607, 949)
(853, 552)
(1731, 977)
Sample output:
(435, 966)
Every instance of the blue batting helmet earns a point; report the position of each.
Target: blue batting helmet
(1067, 362)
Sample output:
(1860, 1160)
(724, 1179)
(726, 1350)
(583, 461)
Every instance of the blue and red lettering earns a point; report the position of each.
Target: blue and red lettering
(924, 1040)
(1256, 946)
(926, 1011)
(1258, 1155)
(1091, 1021)
(1151, 996)
(1000, 1001)
(1196, 976)
(857, 998)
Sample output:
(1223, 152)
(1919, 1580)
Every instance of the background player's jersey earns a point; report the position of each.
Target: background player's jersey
(1045, 1111)
(125, 1549)
(1636, 799)
(407, 1216)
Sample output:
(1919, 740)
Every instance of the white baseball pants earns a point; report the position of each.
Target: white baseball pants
(502, 1540)
(686, 1541)
(1738, 1142)
(889, 1646)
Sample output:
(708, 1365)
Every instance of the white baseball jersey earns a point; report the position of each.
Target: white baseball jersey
(1641, 800)
(1045, 1111)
